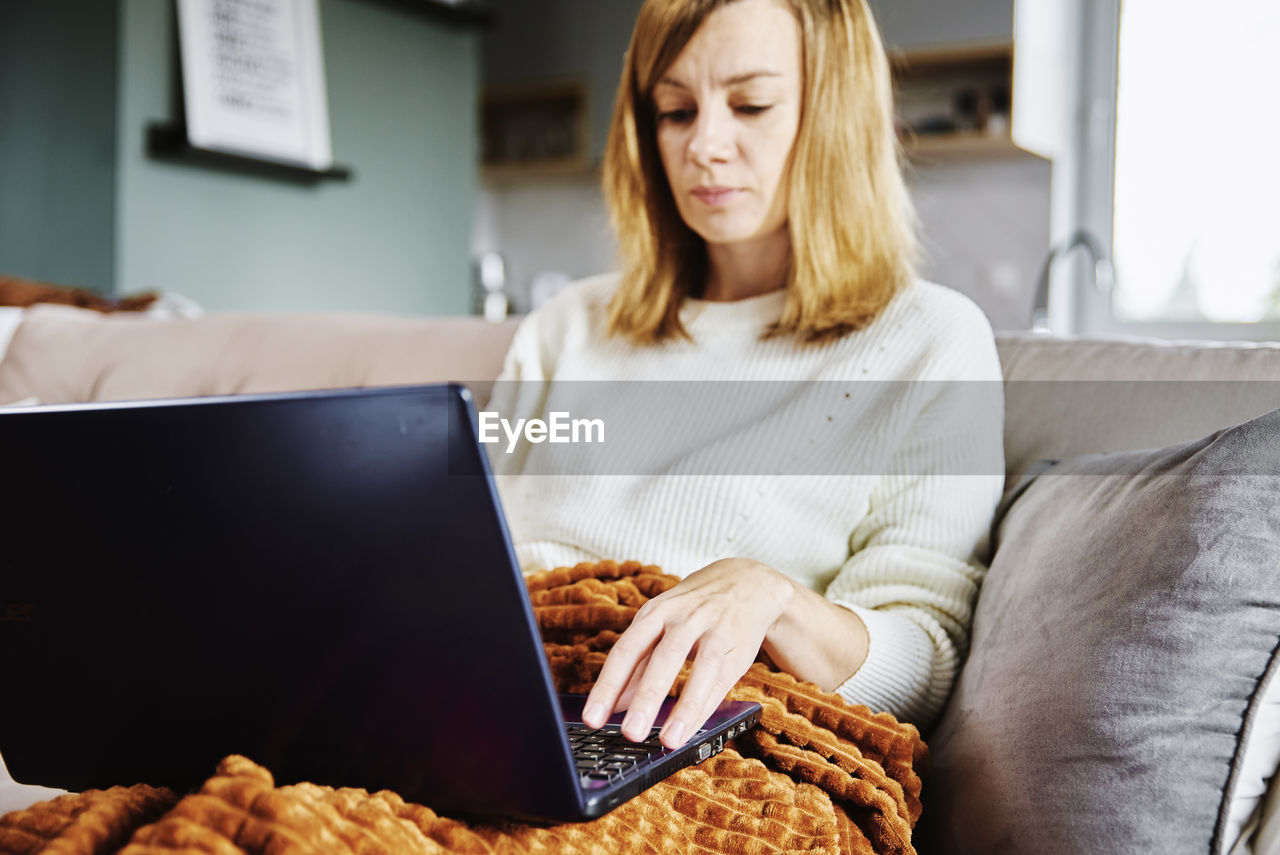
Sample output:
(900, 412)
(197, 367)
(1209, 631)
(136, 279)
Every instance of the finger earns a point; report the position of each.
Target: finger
(624, 700)
(717, 667)
(655, 684)
(629, 654)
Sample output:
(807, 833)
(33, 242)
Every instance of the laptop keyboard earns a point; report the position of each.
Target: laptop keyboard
(605, 755)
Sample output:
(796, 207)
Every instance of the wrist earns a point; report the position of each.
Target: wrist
(815, 639)
(787, 594)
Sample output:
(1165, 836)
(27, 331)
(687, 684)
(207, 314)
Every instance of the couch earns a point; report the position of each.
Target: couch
(1118, 694)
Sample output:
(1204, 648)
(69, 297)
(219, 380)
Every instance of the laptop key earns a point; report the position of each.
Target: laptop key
(635, 750)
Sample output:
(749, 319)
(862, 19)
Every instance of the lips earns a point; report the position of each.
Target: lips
(715, 195)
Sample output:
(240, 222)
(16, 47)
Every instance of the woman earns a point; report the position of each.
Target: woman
(753, 182)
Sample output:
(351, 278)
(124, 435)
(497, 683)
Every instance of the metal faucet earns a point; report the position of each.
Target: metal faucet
(1104, 274)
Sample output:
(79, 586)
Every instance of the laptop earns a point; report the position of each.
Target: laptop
(323, 582)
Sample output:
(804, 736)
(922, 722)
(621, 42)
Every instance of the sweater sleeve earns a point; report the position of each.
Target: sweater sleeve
(913, 575)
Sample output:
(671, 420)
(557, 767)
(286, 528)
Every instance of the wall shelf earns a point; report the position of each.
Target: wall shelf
(955, 103)
(514, 173)
(950, 57)
(535, 131)
(467, 12)
(170, 142)
(929, 149)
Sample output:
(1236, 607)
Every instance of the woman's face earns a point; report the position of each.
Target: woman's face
(727, 114)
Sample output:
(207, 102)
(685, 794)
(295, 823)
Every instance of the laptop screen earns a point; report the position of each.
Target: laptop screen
(322, 582)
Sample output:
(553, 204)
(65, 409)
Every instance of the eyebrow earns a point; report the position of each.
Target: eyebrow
(736, 79)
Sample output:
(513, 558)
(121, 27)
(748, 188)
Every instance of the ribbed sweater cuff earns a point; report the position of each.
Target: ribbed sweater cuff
(896, 674)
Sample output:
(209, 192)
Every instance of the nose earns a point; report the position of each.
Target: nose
(712, 140)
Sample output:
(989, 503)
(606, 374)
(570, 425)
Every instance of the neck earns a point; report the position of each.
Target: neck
(748, 269)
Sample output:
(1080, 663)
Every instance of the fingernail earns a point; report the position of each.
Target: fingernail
(595, 712)
(635, 723)
(674, 733)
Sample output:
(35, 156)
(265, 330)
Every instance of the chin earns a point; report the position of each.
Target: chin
(725, 232)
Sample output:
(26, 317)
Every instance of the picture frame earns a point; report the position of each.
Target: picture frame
(253, 80)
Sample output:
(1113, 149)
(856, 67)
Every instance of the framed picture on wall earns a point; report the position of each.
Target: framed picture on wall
(253, 79)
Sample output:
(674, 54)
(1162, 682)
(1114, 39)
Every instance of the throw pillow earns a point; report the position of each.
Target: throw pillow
(1120, 646)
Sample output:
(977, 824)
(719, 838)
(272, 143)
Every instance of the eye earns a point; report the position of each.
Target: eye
(679, 117)
(752, 109)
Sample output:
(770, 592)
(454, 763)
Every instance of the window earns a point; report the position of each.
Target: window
(1197, 179)
(1162, 118)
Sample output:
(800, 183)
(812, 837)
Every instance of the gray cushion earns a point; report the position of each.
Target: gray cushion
(1132, 607)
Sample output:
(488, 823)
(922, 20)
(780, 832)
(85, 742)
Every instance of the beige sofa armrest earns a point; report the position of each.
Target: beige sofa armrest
(64, 355)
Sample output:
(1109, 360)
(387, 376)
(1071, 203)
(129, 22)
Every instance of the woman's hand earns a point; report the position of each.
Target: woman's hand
(721, 616)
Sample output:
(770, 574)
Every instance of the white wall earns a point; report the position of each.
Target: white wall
(552, 225)
(985, 229)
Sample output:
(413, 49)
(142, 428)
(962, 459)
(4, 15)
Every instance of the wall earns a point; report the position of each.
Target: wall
(57, 141)
(912, 24)
(541, 41)
(562, 39)
(985, 230)
(402, 104)
(577, 240)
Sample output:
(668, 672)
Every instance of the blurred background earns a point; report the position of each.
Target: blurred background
(1070, 167)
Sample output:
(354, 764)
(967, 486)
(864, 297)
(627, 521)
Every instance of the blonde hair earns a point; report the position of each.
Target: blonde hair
(851, 222)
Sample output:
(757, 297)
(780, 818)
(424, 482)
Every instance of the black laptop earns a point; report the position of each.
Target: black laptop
(323, 582)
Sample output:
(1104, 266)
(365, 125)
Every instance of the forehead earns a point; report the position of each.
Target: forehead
(738, 40)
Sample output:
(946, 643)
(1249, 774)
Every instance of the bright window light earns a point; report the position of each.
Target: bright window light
(1197, 183)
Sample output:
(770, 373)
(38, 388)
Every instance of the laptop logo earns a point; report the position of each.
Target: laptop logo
(17, 612)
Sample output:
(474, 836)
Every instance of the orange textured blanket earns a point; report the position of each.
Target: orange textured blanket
(817, 775)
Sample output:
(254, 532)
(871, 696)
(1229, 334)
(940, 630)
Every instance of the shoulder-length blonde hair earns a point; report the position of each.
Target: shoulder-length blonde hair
(851, 222)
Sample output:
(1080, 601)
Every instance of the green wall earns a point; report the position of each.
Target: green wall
(57, 141)
(402, 105)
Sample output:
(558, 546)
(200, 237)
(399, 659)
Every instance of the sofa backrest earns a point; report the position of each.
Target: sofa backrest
(60, 355)
(1063, 396)
(1076, 396)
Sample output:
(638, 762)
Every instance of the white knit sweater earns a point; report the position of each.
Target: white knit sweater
(867, 468)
